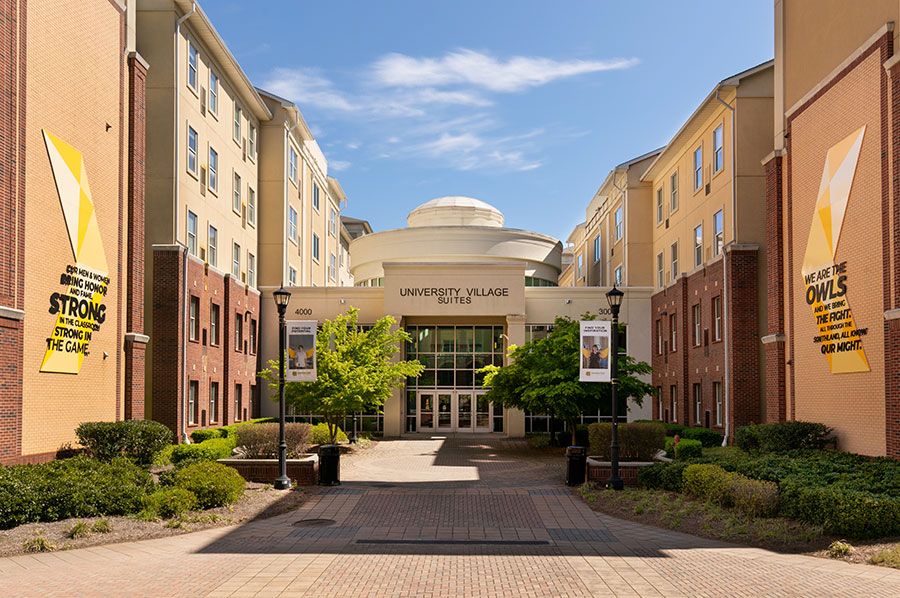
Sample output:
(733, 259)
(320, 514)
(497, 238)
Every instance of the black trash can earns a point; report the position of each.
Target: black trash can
(329, 465)
(576, 457)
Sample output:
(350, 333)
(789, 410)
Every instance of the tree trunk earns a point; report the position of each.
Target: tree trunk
(552, 429)
(572, 423)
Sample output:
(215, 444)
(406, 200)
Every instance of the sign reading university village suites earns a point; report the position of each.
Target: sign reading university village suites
(454, 289)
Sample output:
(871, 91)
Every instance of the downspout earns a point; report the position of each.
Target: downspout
(624, 230)
(176, 222)
(726, 328)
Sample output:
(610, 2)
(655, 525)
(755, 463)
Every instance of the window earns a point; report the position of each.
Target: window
(292, 224)
(195, 319)
(659, 270)
(213, 93)
(697, 336)
(597, 249)
(674, 249)
(659, 401)
(673, 321)
(192, 233)
(252, 336)
(213, 402)
(718, 233)
(580, 267)
(213, 244)
(717, 318)
(620, 223)
(213, 170)
(238, 332)
(717, 393)
(251, 270)
(237, 123)
(236, 195)
(660, 208)
(698, 403)
(315, 196)
(193, 391)
(292, 276)
(674, 397)
(619, 276)
(673, 202)
(698, 245)
(192, 151)
(238, 399)
(192, 67)
(331, 267)
(332, 222)
(292, 165)
(698, 168)
(315, 247)
(718, 149)
(251, 142)
(214, 324)
(659, 337)
(236, 260)
(251, 206)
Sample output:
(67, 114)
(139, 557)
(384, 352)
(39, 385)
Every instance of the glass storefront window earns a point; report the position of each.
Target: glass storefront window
(426, 339)
(445, 378)
(446, 339)
(463, 338)
(446, 361)
(483, 338)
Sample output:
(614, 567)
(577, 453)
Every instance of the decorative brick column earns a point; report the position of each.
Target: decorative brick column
(743, 315)
(774, 341)
(168, 305)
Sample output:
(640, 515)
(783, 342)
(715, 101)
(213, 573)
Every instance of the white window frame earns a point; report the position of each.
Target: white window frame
(251, 141)
(292, 276)
(238, 399)
(580, 266)
(332, 266)
(292, 224)
(673, 262)
(596, 249)
(698, 168)
(194, 329)
(315, 201)
(236, 260)
(193, 69)
(332, 222)
(698, 402)
(673, 397)
(213, 102)
(315, 248)
(213, 402)
(251, 270)
(717, 392)
(698, 328)
(659, 337)
(717, 318)
(698, 245)
(214, 323)
(292, 164)
(618, 275)
(719, 148)
(251, 206)
(718, 232)
(191, 233)
(660, 274)
(193, 390)
(660, 206)
(620, 222)
(673, 332)
(237, 183)
(212, 246)
(213, 170)
(673, 194)
(192, 149)
(236, 123)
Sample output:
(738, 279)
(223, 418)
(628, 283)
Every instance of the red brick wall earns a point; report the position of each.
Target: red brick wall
(12, 220)
(775, 352)
(743, 315)
(165, 338)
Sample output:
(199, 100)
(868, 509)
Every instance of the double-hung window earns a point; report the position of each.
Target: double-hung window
(192, 233)
(251, 142)
(315, 247)
(620, 223)
(251, 206)
(236, 195)
(251, 270)
(673, 201)
(660, 276)
(192, 66)
(698, 168)
(237, 124)
(674, 273)
(597, 248)
(238, 332)
(213, 170)
(718, 232)
(212, 246)
(315, 196)
(213, 93)
(717, 318)
(718, 149)
(717, 391)
(332, 222)
(618, 276)
(193, 142)
(292, 165)
(213, 324)
(292, 224)
(698, 245)
(332, 267)
(193, 391)
(292, 276)
(660, 206)
(673, 328)
(697, 335)
(213, 402)
(195, 319)
(698, 402)
(236, 260)
(580, 267)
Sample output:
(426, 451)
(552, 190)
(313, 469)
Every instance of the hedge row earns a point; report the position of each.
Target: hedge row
(139, 440)
(208, 450)
(637, 441)
(709, 438)
(783, 436)
(225, 431)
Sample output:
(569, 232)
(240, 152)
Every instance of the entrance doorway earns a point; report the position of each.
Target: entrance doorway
(457, 411)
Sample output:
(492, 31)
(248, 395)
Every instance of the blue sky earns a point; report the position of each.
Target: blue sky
(526, 105)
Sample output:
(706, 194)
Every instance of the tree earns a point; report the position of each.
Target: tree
(543, 377)
(355, 370)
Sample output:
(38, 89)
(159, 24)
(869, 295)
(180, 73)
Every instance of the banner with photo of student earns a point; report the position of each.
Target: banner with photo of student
(301, 351)
(595, 345)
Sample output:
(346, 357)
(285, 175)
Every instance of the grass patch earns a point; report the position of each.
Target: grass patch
(888, 558)
(101, 526)
(38, 544)
(79, 530)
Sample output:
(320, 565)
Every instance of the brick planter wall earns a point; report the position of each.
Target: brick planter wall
(304, 471)
(599, 471)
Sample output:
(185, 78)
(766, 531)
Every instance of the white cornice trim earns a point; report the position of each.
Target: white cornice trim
(11, 313)
(136, 337)
(773, 338)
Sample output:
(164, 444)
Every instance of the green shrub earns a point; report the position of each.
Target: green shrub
(79, 530)
(213, 484)
(672, 477)
(169, 502)
(138, 439)
(638, 441)
(538, 441)
(228, 431)
(756, 498)
(208, 450)
(76, 487)
(650, 477)
(783, 436)
(101, 526)
(840, 511)
(670, 447)
(688, 449)
(708, 482)
(747, 438)
(38, 544)
(198, 436)
(582, 435)
(319, 434)
(261, 441)
(164, 457)
(708, 438)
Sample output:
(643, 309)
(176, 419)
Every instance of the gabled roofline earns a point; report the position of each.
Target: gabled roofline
(292, 108)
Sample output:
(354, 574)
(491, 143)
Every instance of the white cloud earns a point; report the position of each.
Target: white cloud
(338, 165)
(469, 151)
(482, 70)
(353, 145)
(306, 87)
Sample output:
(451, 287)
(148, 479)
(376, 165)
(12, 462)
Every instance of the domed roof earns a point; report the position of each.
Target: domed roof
(455, 210)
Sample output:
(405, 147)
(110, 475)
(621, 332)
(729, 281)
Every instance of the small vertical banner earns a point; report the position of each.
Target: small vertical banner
(301, 351)
(595, 345)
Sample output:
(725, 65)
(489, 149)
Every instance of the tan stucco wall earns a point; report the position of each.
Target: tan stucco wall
(68, 44)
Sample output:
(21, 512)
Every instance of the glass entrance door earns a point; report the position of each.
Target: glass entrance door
(426, 410)
(445, 411)
(482, 413)
(458, 411)
(464, 411)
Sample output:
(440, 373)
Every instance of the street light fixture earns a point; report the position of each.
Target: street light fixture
(614, 296)
(282, 482)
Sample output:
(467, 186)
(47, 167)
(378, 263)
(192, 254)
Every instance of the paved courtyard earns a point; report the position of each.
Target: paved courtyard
(430, 517)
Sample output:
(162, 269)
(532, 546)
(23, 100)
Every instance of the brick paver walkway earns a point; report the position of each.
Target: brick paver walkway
(464, 516)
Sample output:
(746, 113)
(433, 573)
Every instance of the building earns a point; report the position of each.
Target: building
(833, 212)
(463, 286)
(71, 223)
(202, 218)
(709, 258)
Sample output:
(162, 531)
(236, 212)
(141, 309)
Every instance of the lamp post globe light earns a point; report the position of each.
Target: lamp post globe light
(614, 296)
(282, 482)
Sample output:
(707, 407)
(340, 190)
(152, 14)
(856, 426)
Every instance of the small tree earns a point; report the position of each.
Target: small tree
(355, 370)
(543, 377)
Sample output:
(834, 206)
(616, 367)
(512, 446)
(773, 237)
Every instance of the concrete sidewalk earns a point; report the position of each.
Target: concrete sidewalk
(457, 516)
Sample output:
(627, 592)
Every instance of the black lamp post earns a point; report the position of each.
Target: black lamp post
(282, 482)
(614, 296)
